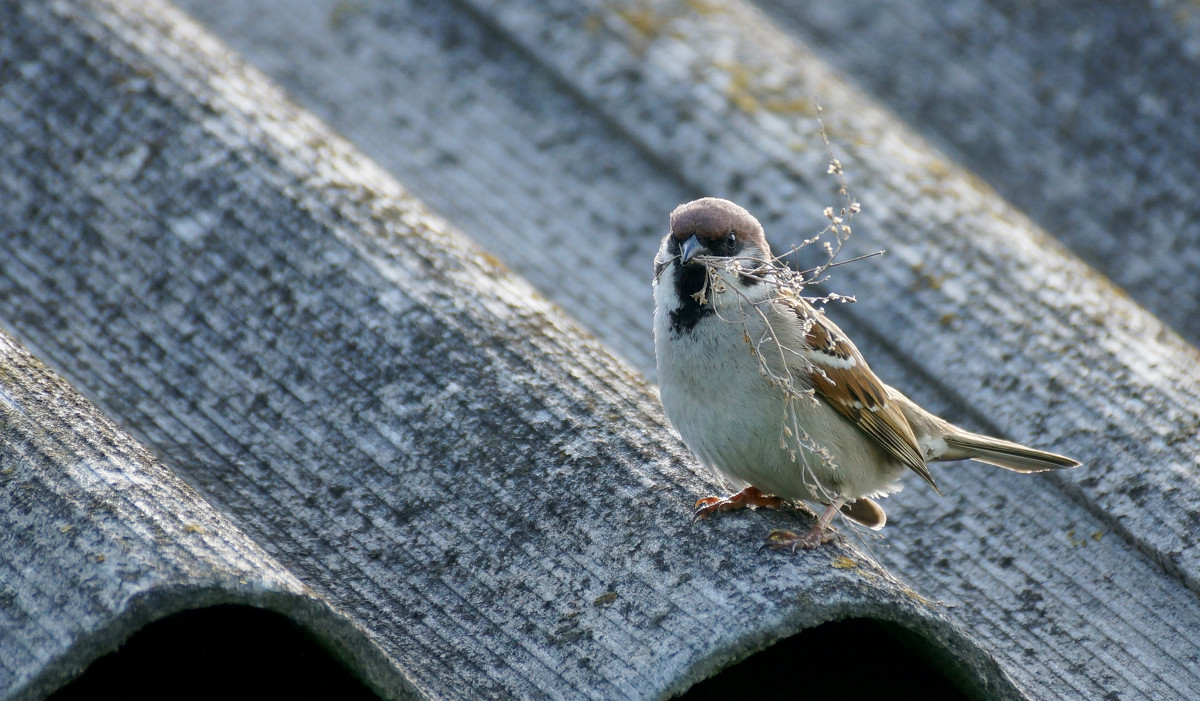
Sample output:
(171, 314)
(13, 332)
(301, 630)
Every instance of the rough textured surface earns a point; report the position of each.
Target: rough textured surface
(601, 117)
(99, 538)
(212, 267)
(474, 497)
(1081, 113)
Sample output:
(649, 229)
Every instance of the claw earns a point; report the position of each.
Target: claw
(780, 539)
(750, 496)
(820, 534)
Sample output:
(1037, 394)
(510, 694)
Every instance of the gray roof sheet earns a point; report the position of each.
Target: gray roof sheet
(355, 416)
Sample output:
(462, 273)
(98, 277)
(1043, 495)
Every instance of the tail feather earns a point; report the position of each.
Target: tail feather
(1001, 453)
(866, 512)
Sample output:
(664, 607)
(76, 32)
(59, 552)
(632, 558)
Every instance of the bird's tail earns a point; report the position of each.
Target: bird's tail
(1006, 454)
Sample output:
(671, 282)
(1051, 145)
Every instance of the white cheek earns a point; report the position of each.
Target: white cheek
(733, 289)
(665, 300)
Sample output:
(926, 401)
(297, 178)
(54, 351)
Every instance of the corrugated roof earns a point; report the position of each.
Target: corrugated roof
(360, 420)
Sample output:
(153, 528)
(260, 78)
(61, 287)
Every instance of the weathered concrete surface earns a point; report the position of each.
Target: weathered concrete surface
(1083, 114)
(567, 131)
(100, 538)
(383, 422)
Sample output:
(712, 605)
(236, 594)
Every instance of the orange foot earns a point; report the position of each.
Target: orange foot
(780, 539)
(820, 534)
(750, 496)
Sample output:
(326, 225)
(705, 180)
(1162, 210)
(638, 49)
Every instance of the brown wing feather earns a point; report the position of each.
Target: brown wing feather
(842, 377)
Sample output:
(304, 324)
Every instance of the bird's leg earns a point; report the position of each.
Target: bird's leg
(750, 496)
(820, 534)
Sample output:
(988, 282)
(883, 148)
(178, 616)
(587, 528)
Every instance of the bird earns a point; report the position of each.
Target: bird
(768, 393)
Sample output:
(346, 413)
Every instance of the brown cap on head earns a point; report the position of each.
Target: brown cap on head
(712, 218)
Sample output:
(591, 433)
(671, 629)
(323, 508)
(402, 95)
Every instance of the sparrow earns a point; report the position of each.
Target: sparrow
(770, 394)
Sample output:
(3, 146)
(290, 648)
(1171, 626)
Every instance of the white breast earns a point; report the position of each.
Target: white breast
(733, 419)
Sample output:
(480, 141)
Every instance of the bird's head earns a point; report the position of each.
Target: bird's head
(716, 228)
(715, 255)
(710, 232)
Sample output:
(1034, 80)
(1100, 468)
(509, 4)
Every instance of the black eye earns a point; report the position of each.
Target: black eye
(730, 241)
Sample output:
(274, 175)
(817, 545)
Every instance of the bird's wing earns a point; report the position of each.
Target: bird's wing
(840, 375)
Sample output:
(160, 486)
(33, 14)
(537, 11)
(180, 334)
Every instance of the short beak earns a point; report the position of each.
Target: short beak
(688, 249)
